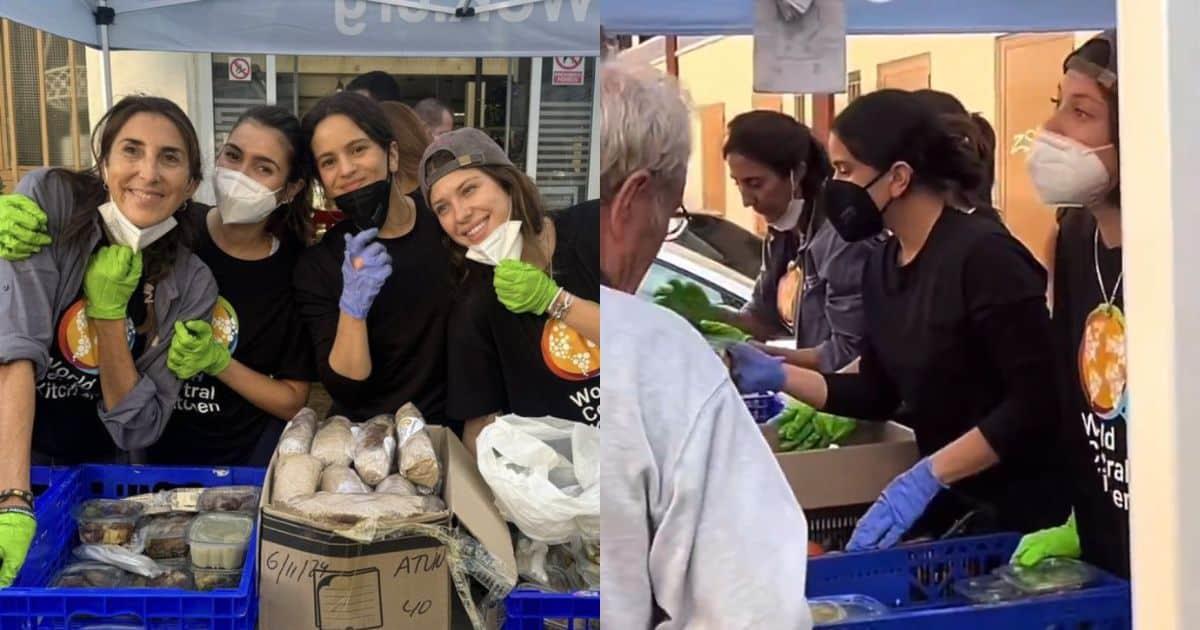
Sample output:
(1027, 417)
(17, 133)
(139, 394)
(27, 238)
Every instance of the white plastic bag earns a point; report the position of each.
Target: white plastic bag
(545, 475)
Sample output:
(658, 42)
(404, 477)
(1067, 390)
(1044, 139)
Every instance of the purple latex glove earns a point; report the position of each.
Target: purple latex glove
(899, 506)
(361, 283)
(755, 371)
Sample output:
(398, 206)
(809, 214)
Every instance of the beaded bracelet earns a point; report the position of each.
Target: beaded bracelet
(23, 495)
(18, 510)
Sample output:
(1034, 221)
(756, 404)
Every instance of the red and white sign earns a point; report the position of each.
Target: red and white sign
(568, 71)
(240, 69)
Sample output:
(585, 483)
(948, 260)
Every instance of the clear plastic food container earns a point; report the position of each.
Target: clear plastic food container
(209, 579)
(165, 536)
(833, 610)
(107, 521)
(90, 575)
(178, 575)
(229, 499)
(1052, 575)
(988, 589)
(218, 540)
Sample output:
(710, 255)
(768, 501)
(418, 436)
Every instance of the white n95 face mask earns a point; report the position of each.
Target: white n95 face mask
(791, 216)
(504, 243)
(1067, 173)
(122, 231)
(242, 200)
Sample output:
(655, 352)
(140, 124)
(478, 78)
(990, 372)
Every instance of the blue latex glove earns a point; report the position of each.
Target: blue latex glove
(755, 371)
(365, 267)
(898, 507)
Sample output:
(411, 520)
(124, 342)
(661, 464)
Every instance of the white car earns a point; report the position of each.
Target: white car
(675, 262)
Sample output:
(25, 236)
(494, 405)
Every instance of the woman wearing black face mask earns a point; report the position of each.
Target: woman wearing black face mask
(376, 291)
(958, 343)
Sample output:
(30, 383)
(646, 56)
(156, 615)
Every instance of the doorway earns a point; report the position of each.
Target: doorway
(909, 73)
(1028, 71)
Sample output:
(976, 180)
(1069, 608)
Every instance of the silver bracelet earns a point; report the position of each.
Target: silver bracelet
(565, 306)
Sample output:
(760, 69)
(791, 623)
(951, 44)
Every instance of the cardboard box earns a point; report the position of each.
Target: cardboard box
(310, 577)
(852, 474)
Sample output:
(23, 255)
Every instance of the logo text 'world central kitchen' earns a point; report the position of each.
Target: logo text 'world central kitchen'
(350, 15)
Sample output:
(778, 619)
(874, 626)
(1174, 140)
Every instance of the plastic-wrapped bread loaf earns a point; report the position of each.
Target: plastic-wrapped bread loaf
(295, 476)
(397, 484)
(353, 508)
(298, 435)
(334, 442)
(375, 448)
(417, 460)
(342, 480)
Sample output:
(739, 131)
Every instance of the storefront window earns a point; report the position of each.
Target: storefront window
(564, 137)
(233, 95)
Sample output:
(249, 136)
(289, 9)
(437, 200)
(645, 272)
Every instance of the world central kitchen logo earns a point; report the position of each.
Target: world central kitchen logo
(351, 15)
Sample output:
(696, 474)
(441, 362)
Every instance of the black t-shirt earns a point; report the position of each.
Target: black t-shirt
(960, 338)
(406, 325)
(525, 364)
(1091, 338)
(256, 318)
(67, 427)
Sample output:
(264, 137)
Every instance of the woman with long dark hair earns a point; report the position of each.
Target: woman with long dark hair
(958, 342)
(810, 286)
(90, 318)
(525, 326)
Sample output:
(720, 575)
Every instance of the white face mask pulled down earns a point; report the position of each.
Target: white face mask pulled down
(790, 218)
(240, 199)
(1067, 173)
(504, 243)
(122, 231)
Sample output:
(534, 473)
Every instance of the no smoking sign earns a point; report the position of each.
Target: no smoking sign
(568, 71)
(240, 69)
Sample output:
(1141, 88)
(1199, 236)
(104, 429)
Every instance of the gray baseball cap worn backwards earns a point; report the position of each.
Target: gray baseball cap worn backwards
(468, 147)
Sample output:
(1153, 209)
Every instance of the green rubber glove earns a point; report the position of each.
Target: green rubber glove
(833, 428)
(22, 227)
(112, 276)
(795, 426)
(194, 350)
(688, 300)
(721, 331)
(1055, 542)
(523, 288)
(16, 532)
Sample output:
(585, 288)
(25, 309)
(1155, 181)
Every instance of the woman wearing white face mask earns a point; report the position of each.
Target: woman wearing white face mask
(524, 329)
(250, 370)
(810, 286)
(89, 318)
(1074, 164)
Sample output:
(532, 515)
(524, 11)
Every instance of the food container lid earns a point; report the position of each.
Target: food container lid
(830, 610)
(221, 528)
(229, 499)
(988, 589)
(173, 525)
(1050, 575)
(113, 576)
(108, 510)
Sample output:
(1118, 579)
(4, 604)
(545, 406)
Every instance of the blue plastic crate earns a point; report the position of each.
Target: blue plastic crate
(30, 605)
(44, 478)
(535, 610)
(915, 580)
(763, 406)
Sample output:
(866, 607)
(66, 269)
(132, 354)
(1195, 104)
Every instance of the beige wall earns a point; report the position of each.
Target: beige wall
(169, 75)
(720, 70)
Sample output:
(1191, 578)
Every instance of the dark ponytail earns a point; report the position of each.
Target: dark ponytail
(975, 132)
(890, 126)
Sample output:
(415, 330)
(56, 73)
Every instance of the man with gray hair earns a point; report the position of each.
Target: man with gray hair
(437, 117)
(699, 527)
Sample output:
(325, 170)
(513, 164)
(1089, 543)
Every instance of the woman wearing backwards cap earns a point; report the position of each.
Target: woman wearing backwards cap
(1074, 165)
(525, 326)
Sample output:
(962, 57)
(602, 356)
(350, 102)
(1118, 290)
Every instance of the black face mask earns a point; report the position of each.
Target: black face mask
(851, 210)
(367, 206)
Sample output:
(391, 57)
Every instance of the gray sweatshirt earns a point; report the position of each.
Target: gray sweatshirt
(699, 527)
(35, 292)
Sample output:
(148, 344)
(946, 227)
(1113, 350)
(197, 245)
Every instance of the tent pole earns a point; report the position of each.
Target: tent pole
(104, 17)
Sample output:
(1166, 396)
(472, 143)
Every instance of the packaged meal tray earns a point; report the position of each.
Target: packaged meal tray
(1052, 575)
(107, 521)
(90, 575)
(842, 608)
(988, 589)
(209, 579)
(177, 574)
(218, 540)
(165, 535)
(229, 499)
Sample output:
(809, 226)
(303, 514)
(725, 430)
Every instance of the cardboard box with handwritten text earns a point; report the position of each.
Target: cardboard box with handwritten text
(310, 577)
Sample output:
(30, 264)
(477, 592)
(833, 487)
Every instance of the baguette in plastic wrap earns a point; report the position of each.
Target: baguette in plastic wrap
(334, 442)
(375, 448)
(342, 480)
(352, 509)
(418, 461)
(397, 484)
(298, 435)
(295, 476)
